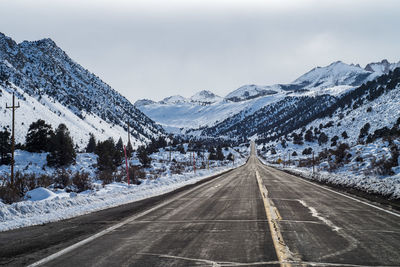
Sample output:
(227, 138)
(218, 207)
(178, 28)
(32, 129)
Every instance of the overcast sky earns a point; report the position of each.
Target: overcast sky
(153, 49)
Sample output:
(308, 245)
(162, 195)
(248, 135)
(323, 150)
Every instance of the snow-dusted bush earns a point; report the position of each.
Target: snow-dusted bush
(82, 181)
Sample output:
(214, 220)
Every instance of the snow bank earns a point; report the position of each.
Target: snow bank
(45, 206)
(40, 193)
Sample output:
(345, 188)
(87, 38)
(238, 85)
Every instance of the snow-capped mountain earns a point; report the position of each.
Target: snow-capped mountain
(175, 99)
(337, 73)
(205, 97)
(42, 73)
(382, 67)
(143, 102)
(333, 80)
(247, 92)
(296, 111)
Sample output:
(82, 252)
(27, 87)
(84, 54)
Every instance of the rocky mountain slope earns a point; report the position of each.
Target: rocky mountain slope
(47, 81)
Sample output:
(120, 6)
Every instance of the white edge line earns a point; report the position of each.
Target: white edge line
(355, 199)
(112, 228)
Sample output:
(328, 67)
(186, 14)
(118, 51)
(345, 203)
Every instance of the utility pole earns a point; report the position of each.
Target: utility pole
(127, 167)
(313, 163)
(194, 163)
(13, 108)
(129, 135)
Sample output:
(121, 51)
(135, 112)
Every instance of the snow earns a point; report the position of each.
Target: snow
(190, 115)
(175, 99)
(54, 113)
(43, 209)
(43, 205)
(178, 114)
(250, 91)
(337, 73)
(382, 67)
(206, 97)
(384, 112)
(36, 163)
(53, 87)
(40, 193)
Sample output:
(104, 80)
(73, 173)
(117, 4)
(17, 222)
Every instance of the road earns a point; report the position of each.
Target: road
(251, 216)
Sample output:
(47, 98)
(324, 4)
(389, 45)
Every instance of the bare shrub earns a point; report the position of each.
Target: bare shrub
(62, 178)
(140, 174)
(134, 172)
(177, 168)
(119, 175)
(105, 176)
(82, 181)
(44, 180)
(31, 181)
(9, 194)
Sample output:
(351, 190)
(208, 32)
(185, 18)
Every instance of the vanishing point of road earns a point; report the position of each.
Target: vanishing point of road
(251, 216)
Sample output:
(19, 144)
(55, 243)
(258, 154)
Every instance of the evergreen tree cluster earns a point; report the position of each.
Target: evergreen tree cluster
(5, 147)
(110, 155)
(62, 151)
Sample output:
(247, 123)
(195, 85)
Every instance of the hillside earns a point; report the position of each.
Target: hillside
(219, 117)
(49, 84)
(356, 137)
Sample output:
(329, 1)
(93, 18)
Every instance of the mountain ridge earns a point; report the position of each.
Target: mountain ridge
(333, 79)
(41, 68)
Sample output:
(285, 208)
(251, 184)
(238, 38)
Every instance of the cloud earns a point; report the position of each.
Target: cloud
(154, 49)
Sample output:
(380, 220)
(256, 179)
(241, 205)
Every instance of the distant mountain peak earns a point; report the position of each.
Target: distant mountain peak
(143, 102)
(175, 99)
(205, 97)
(250, 91)
(382, 67)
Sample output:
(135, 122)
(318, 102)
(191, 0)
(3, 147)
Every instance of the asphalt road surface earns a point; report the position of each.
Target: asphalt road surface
(251, 216)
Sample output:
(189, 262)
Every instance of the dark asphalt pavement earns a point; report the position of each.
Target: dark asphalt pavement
(226, 221)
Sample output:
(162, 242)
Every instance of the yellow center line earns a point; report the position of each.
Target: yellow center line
(282, 251)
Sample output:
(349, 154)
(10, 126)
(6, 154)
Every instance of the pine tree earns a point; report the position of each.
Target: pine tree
(181, 149)
(220, 155)
(62, 152)
(108, 157)
(91, 146)
(309, 136)
(364, 130)
(119, 152)
(322, 139)
(143, 156)
(297, 139)
(38, 137)
(5, 147)
(129, 149)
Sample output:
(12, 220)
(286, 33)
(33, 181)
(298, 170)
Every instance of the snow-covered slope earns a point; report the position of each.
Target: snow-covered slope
(334, 80)
(54, 113)
(362, 140)
(189, 115)
(42, 71)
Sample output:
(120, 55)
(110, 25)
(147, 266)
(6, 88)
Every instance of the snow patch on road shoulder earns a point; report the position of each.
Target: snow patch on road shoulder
(55, 207)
